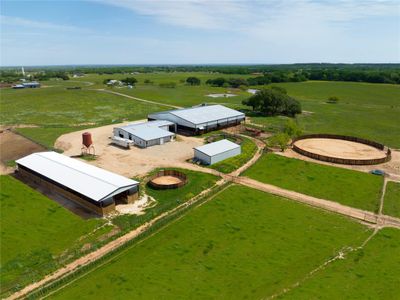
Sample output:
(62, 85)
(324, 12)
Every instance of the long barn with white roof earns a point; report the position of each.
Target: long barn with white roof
(200, 119)
(94, 188)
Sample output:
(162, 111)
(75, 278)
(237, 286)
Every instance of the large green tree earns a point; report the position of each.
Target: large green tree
(193, 80)
(274, 101)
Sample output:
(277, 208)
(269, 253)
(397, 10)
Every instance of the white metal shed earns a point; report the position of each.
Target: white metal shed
(214, 152)
(146, 134)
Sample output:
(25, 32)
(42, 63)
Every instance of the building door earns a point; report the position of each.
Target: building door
(161, 141)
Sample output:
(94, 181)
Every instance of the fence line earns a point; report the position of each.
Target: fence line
(345, 161)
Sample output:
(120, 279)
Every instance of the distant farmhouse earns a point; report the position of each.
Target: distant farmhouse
(93, 188)
(147, 134)
(200, 119)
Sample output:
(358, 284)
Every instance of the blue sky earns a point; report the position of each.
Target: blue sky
(198, 31)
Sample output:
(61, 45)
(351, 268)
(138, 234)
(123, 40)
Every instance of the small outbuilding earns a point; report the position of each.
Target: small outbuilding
(218, 151)
(91, 187)
(146, 134)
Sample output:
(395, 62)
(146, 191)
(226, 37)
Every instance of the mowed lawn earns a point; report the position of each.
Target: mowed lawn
(243, 244)
(365, 110)
(34, 230)
(352, 188)
(391, 204)
(372, 272)
(57, 110)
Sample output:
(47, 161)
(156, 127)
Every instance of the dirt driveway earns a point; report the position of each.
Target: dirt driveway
(135, 161)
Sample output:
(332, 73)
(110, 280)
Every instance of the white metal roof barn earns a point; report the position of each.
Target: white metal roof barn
(90, 181)
(214, 152)
(146, 134)
(201, 118)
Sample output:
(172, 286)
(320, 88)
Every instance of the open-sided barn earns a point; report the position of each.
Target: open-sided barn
(212, 153)
(200, 119)
(87, 185)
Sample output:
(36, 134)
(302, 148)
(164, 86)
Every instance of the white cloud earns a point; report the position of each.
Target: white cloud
(28, 23)
(239, 15)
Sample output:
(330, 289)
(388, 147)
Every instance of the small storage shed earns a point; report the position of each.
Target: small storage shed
(146, 134)
(91, 187)
(214, 152)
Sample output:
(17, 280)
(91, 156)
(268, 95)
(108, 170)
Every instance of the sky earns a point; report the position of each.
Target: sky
(76, 32)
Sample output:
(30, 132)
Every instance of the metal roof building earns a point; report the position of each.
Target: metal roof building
(200, 119)
(214, 152)
(146, 134)
(90, 186)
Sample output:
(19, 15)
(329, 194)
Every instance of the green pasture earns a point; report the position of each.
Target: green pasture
(243, 244)
(391, 204)
(372, 272)
(56, 110)
(60, 107)
(34, 232)
(348, 187)
(365, 110)
(167, 199)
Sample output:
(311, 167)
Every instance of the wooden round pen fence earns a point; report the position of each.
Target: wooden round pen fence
(168, 179)
(377, 153)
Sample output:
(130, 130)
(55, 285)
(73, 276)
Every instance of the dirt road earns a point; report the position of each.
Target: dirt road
(363, 215)
(136, 98)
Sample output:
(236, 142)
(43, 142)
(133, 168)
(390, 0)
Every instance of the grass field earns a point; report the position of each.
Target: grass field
(243, 244)
(365, 110)
(391, 204)
(168, 199)
(369, 273)
(249, 148)
(46, 136)
(59, 111)
(352, 188)
(34, 231)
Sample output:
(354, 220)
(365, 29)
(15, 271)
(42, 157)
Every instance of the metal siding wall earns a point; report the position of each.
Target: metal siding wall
(225, 155)
(201, 156)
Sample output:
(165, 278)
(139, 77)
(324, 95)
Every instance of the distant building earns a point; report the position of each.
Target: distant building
(146, 134)
(91, 187)
(200, 119)
(32, 84)
(212, 153)
(114, 82)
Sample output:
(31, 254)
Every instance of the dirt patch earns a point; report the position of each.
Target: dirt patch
(14, 146)
(340, 148)
(166, 180)
(135, 161)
